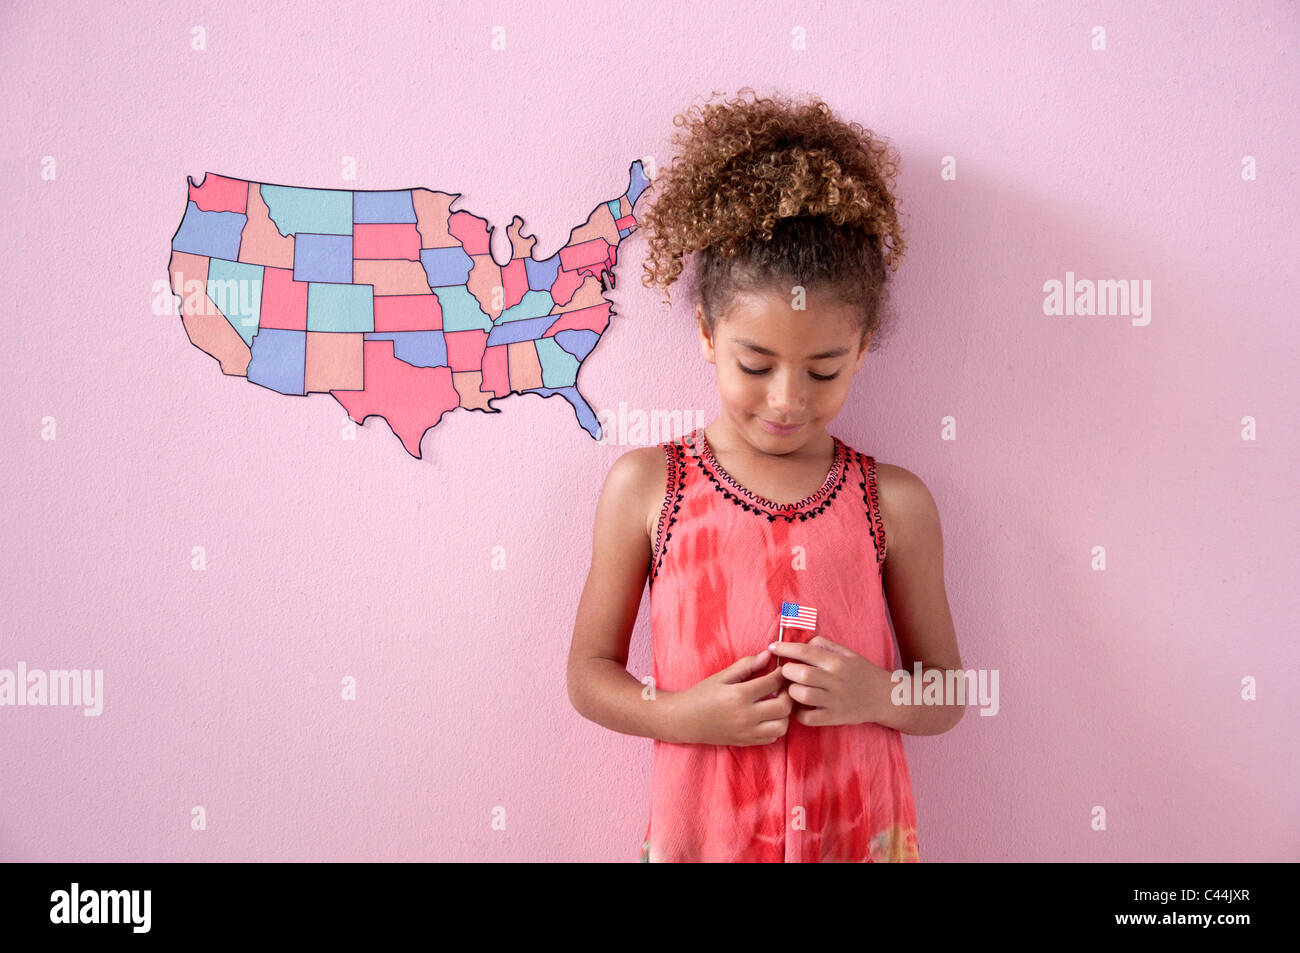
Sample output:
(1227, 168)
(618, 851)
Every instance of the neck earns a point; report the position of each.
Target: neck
(724, 435)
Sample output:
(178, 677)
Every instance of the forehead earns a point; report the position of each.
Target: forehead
(770, 320)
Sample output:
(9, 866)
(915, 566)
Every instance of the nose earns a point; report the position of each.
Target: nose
(786, 396)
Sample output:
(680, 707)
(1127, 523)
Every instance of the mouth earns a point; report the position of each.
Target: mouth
(781, 430)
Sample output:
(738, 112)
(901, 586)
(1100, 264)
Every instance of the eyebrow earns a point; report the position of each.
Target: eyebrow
(838, 352)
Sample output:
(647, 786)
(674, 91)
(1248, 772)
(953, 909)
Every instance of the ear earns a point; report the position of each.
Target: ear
(706, 339)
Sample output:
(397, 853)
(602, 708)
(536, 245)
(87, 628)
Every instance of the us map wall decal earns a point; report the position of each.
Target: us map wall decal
(391, 301)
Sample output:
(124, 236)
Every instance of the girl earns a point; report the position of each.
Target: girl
(765, 538)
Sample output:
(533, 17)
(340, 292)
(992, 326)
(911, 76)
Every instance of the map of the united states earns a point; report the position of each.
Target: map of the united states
(391, 301)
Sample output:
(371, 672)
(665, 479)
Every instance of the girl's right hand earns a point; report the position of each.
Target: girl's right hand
(731, 708)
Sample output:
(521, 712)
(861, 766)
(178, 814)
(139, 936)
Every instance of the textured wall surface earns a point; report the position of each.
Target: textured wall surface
(447, 586)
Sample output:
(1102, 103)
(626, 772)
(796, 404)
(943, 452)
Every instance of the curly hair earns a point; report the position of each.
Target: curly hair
(773, 194)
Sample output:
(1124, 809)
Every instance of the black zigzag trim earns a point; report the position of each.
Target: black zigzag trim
(787, 511)
(871, 497)
(673, 492)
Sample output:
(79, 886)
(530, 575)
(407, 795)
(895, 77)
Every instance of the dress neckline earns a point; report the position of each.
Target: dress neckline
(700, 441)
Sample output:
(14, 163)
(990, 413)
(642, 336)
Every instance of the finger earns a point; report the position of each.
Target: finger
(741, 668)
(815, 716)
(763, 685)
(772, 708)
(770, 731)
(810, 696)
(805, 674)
(805, 652)
(824, 643)
(790, 648)
(779, 718)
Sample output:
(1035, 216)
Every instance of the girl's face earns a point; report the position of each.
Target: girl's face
(783, 373)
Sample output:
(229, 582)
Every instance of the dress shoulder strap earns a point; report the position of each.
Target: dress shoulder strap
(672, 502)
(871, 500)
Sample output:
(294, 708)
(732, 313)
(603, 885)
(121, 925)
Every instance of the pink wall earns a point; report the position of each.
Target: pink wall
(329, 557)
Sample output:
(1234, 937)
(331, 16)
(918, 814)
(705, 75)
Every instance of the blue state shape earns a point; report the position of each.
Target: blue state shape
(577, 341)
(541, 274)
(446, 266)
(322, 258)
(586, 416)
(515, 331)
(639, 183)
(417, 348)
(371, 208)
(214, 234)
(279, 360)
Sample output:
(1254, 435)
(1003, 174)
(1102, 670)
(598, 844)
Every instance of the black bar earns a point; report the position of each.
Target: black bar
(948, 902)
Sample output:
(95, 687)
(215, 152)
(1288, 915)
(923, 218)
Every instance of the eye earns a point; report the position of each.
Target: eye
(763, 370)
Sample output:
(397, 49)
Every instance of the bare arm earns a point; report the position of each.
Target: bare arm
(914, 590)
(600, 687)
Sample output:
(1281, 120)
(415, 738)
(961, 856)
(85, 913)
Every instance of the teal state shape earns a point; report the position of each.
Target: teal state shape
(559, 367)
(460, 309)
(236, 288)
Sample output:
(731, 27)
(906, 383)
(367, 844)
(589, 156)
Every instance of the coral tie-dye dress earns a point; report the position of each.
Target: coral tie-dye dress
(724, 561)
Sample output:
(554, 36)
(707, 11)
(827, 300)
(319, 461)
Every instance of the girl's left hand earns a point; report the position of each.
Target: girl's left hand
(833, 684)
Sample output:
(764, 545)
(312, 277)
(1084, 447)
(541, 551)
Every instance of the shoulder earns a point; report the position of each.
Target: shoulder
(637, 480)
(907, 507)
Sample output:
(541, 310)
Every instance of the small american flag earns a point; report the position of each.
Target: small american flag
(795, 616)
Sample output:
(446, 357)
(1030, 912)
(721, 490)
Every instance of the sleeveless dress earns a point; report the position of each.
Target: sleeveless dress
(724, 560)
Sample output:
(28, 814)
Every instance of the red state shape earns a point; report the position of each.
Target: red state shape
(597, 268)
(470, 231)
(465, 349)
(514, 282)
(496, 370)
(386, 240)
(220, 194)
(565, 286)
(591, 252)
(284, 301)
(595, 318)
(407, 313)
(411, 399)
